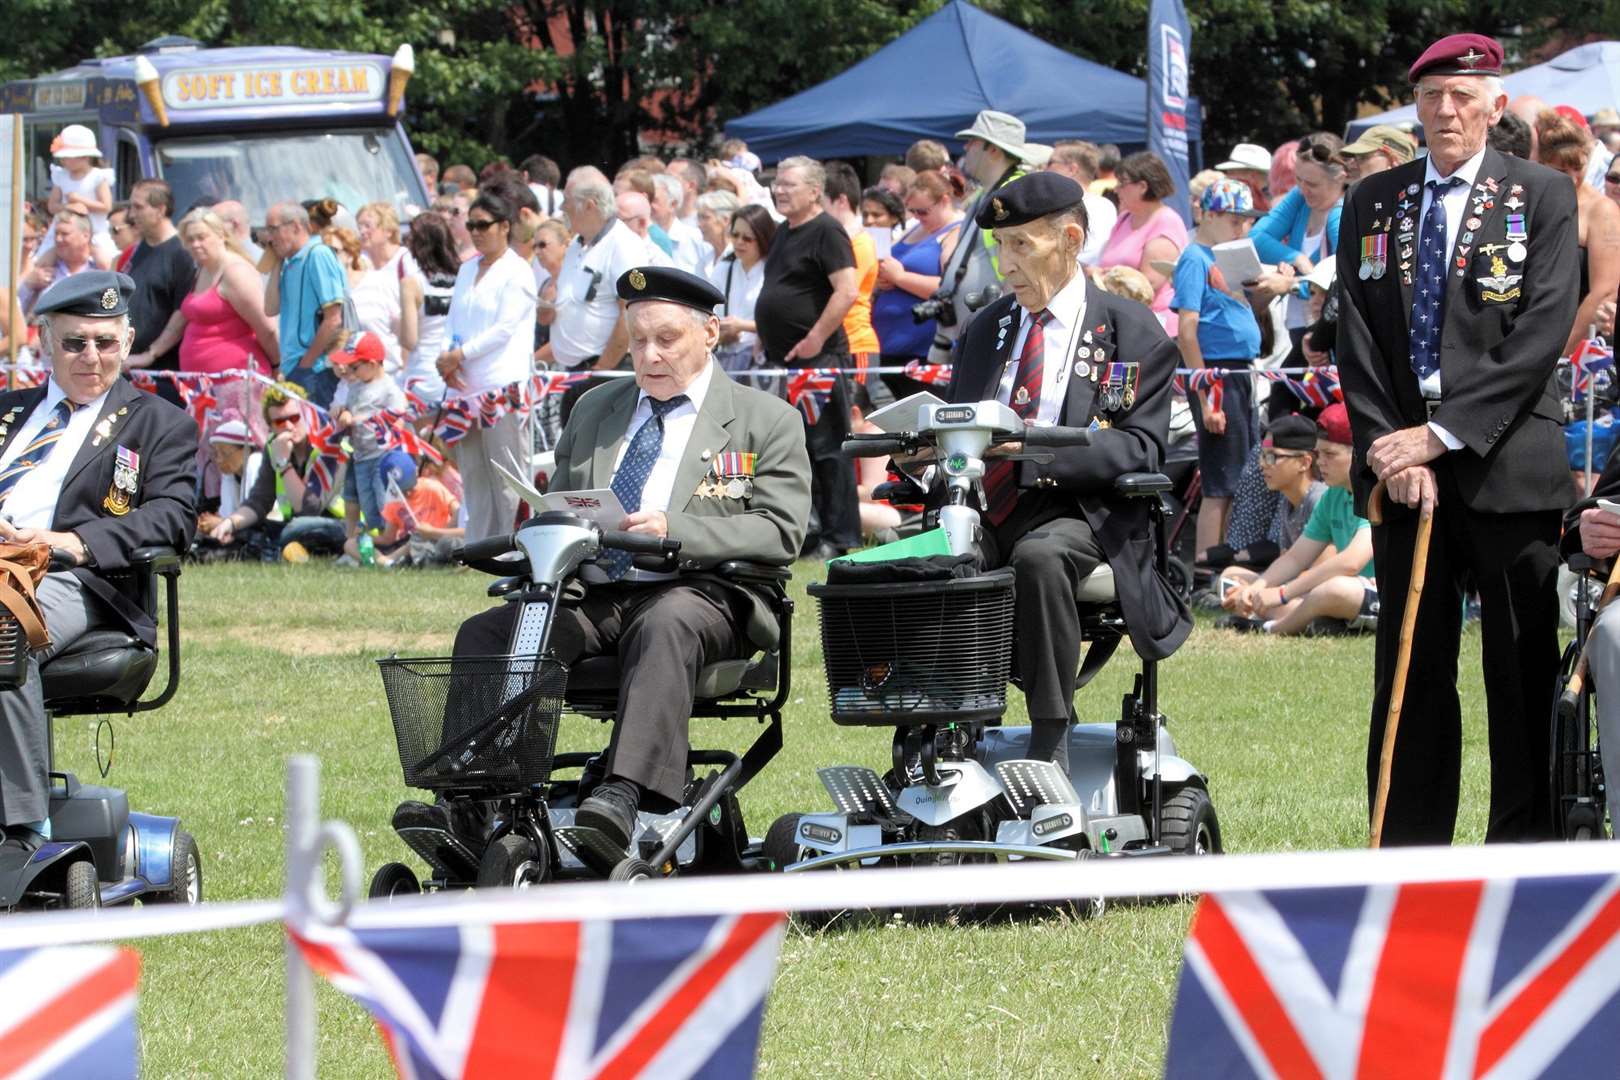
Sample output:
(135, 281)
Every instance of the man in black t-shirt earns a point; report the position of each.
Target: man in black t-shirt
(163, 274)
(809, 286)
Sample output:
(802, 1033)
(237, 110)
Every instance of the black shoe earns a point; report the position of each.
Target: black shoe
(429, 831)
(1206, 600)
(1241, 624)
(611, 810)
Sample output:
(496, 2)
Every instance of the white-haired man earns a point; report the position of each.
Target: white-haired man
(70, 230)
(669, 194)
(95, 469)
(1460, 277)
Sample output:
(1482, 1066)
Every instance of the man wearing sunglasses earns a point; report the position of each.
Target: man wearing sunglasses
(93, 468)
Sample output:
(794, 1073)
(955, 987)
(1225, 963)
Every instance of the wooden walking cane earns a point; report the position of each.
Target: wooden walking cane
(1403, 653)
(1577, 679)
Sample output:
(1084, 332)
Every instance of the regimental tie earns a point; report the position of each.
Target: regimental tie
(35, 453)
(631, 476)
(1001, 476)
(1429, 295)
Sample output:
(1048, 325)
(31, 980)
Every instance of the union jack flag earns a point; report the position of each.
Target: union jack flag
(1468, 979)
(326, 458)
(931, 374)
(68, 1012)
(1589, 358)
(454, 421)
(199, 397)
(413, 396)
(810, 390)
(545, 383)
(1207, 382)
(677, 997)
(143, 380)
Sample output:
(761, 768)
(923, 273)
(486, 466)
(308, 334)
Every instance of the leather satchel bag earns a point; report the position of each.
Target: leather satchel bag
(21, 568)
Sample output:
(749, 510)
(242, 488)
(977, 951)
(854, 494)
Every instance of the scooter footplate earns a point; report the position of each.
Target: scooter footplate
(1029, 784)
(857, 790)
(591, 847)
(445, 853)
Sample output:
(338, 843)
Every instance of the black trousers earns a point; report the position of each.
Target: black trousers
(834, 503)
(663, 634)
(1512, 560)
(1049, 558)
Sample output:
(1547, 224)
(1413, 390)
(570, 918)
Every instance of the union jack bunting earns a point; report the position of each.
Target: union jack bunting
(546, 383)
(676, 997)
(1207, 383)
(1458, 979)
(810, 390)
(412, 390)
(931, 374)
(198, 395)
(68, 1012)
(1589, 358)
(1319, 387)
(453, 421)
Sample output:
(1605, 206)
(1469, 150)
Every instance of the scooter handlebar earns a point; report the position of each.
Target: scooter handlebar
(877, 446)
(1057, 436)
(490, 547)
(640, 544)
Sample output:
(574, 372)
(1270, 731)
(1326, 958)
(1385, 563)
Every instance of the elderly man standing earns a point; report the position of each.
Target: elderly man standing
(1460, 278)
(235, 217)
(307, 287)
(809, 287)
(665, 442)
(1059, 350)
(95, 469)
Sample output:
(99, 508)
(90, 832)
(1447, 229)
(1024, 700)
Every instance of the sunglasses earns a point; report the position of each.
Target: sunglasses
(1318, 151)
(104, 344)
(285, 421)
(480, 226)
(1271, 457)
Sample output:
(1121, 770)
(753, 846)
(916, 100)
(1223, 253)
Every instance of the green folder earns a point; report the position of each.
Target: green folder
(932, 542)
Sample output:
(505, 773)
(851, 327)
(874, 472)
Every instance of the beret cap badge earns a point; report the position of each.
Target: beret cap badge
(109, 299)
(638, 280)
(1000, 210)
(1470, 58)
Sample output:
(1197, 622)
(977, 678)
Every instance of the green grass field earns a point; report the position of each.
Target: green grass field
(279, 660)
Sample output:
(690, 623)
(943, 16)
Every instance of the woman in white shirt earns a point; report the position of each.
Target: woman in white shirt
(376, 296)
(491, 341)
(425, 302)
(739, 274)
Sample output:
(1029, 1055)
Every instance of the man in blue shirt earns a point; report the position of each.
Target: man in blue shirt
(307, 287)
(1217, 329)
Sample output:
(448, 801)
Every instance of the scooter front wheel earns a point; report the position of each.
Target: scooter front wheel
(514, 861)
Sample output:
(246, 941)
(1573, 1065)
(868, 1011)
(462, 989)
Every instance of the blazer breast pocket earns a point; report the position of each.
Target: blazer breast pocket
(1494, 280)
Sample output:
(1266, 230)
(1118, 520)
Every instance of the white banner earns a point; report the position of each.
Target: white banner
(10, 194)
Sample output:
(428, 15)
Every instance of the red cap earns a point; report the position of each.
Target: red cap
(1459, 54)
(367, 347)
(1334, 424)
(1571, 113)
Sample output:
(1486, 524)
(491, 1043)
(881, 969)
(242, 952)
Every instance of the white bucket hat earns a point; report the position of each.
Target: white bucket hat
(75, 140)
(1247, 156)
(1003, 130)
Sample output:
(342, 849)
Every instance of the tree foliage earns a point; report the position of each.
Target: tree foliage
(579, 79)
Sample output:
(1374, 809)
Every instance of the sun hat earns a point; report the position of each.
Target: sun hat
(1003, 130)
(75, 140)
(1247, 156)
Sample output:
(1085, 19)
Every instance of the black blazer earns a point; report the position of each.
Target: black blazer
(1497, 353)
(163, 509)
(1157, 617)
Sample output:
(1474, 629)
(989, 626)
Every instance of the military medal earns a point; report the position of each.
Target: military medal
(1081, 368)
(126, 478)
(1022, 396)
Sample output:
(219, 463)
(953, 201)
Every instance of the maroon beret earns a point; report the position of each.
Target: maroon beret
(1459, 54)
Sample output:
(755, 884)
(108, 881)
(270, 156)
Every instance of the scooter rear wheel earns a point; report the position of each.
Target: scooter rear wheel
(185, 873)
(80, 889)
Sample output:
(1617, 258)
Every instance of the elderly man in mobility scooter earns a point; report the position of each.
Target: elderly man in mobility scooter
(695, 458)
(1061, 351)
(96, 470)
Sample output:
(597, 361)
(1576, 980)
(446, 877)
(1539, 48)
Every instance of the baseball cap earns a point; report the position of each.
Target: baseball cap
(1386, 137)
(1228, 197)
(1247, 156)
(367, 347)
(1334, 424)
(1291, 432)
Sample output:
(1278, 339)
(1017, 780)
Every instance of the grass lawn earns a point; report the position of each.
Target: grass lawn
(279, 660)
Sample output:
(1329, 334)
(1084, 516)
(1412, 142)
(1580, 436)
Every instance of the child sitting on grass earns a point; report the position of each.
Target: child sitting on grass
(421, 513)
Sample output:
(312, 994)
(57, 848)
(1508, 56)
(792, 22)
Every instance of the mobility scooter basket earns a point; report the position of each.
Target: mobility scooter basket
(475, 722)
(917, 652)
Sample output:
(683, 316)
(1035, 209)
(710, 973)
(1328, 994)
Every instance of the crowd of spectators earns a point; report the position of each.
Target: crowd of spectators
(350, 313)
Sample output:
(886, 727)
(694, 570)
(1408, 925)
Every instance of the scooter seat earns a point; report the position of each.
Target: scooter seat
(100, 664)
(1097, 587)
(597, 677)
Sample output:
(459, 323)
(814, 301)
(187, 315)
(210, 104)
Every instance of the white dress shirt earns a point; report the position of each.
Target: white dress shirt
(31, 503)
(690, 248)
(1100, 216)
(658, 492)
(1455, 205)
(492, 322)
(1068, 310)
(584, 326)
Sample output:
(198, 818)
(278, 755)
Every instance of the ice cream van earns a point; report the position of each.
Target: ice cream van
(253, 124)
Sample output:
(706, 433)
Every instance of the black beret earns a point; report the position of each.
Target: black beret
(668, 283)
(102, 294)
(1291, 432)
(1029, 198)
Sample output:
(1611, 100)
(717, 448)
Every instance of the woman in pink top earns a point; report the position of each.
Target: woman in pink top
(226, 327)
(1149, 235)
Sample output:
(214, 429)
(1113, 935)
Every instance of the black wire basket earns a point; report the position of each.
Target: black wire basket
(13, 651)
(484, 723)
(917, 652)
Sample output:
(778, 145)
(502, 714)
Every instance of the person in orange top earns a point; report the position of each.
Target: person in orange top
(843, 202)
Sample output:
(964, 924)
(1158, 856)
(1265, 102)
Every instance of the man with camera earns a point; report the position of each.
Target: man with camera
(1059, 350)
(996, 154)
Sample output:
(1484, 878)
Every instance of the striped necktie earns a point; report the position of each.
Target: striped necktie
(1000, 480)
(633, 472)
(35, 453)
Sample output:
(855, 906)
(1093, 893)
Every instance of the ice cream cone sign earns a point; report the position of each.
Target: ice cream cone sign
(146, 77)
(399, 74)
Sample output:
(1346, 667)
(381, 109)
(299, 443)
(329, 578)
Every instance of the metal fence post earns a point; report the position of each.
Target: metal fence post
(303, 825)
